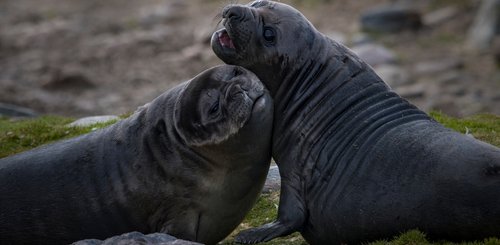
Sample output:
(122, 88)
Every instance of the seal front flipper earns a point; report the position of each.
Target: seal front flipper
(263, 233)
(291, 216)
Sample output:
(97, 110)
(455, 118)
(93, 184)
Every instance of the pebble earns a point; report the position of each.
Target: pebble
(68, 80)
(448, 77)
(336, 36)
(412, 91)
(393, 75)
(390, 18)
(273, 180)
(437, 66)
(88, 121)
(9, 110)
(440, 16)
(162, 13)
(138, 238)
(485, 25)
(361, 38)
(375, 54)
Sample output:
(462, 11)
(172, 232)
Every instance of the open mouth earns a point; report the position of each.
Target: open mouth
(225, 39)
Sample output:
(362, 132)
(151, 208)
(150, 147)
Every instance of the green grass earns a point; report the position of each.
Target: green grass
(265, 211)
(17, 136)
(485, 127)
(415, 237)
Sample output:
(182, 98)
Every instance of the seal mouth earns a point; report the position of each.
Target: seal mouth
(225, 39)
(224, 47)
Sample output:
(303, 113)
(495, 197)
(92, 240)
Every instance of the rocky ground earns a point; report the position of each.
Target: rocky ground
(80, 58)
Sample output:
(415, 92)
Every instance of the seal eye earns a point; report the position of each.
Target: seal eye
(237, 72)
(214, 108)
(269, 34)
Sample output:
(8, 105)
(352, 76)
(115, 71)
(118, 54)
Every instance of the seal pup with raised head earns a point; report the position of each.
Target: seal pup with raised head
(357, 162)
(191, 164)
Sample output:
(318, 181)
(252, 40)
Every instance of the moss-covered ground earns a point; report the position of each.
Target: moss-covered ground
(21, 135)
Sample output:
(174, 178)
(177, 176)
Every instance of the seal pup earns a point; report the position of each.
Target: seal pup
(191, 164)
(357, 161)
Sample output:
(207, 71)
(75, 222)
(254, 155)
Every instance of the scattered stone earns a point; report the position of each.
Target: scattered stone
(138, 238)
(375, 54)
(447, 104)
(447, 78)
(440, 16)
(337, 36)
(496, 49)
(359, 39)
(68, 81)
(393, 75)
(390, 18)
(273, 180)
(88, 121)
(412, 92)
(458, 90)
(8, 110)
(485, 25)
(162, 13)
(437, 66)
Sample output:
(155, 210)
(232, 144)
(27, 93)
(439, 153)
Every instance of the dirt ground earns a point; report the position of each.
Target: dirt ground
(92, 57)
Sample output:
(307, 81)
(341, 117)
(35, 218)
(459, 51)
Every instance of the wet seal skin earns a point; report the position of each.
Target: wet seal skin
(358, 162)
(191, 164)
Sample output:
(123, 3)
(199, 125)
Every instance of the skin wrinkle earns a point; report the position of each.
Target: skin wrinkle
(330, 128)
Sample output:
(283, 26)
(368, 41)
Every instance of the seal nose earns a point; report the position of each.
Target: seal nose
(235, 12)
(242, 81)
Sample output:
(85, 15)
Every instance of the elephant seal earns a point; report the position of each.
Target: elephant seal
(191, 164)
(357, 161)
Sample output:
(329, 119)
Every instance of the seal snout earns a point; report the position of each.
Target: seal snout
(231, 42)
(234, 13)
(244, 82)
(231, 14)
(243, 86)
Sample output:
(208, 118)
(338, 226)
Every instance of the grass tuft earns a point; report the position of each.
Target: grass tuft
(21, 135)
(485, 127)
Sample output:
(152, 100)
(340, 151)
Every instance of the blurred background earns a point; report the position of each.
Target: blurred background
(93, 57)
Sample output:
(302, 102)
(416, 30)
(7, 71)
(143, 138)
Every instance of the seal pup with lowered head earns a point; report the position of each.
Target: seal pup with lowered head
(191, 164)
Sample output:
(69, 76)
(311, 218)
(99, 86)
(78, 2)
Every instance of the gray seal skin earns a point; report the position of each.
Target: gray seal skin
(357, 161)
(191, 164)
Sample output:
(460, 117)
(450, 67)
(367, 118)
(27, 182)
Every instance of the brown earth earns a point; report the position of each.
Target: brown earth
(91, 57)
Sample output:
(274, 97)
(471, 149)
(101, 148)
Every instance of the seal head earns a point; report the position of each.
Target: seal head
(265, 37)
(222, 105)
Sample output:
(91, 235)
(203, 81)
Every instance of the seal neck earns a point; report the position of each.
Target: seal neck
(331, 100)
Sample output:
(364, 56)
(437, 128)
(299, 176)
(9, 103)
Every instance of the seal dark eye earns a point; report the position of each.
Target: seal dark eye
(214, 108)
(269, 34)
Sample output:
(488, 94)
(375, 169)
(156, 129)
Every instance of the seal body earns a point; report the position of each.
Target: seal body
(191, 164)
(357, 161)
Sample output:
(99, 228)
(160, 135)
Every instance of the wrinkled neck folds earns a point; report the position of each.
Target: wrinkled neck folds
(329, 103)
